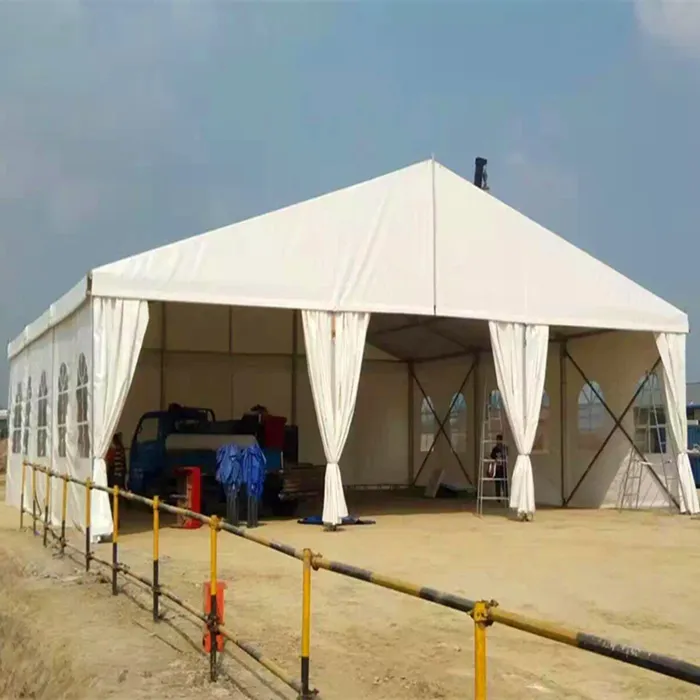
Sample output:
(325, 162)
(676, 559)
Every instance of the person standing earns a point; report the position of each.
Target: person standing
(499, 455)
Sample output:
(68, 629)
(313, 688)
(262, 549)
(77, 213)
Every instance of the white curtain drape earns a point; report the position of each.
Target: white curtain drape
(118, 326)
(335, 344)
(671, 348)
(520, 359)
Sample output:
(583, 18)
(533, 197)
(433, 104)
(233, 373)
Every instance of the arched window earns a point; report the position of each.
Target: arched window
(42, 418)
(62, 409)
(650, 417)
(591, 416)
(17, 421)
(428, 424)
(27, 417)
(494, 418)
(81, 398)
(458, 423)
(541, 444)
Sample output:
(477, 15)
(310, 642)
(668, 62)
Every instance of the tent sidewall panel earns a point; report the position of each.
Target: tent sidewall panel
(616, 361)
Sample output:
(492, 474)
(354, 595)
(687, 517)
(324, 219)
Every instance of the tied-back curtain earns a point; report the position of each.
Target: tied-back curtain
(119, 326)
(335, 344)
(671, 348)
(520, 359)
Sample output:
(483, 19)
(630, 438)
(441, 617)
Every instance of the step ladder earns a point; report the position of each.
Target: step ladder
(648, 426)
(490, 481)
(632, 484)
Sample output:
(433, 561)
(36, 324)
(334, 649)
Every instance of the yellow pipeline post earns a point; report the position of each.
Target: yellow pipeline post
(115, 538)
(64, 510)
(213, 621)
(46, 507)
(306, 693)
(21, 498)
(33, 499)
(480, 615)
(156, 542)
(88, 518)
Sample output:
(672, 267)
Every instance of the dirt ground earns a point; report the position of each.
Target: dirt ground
(64, 637)
(629, 576)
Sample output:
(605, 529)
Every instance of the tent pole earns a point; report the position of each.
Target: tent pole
(92, 418)
(163, 328)
(230, 363)
(411, 422)
(295, 366)
(527, 515)
(54, 405)
(476, 411)
(563, 420)
(273, 355)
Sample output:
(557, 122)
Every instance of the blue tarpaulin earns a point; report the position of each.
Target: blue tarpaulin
(236, 467)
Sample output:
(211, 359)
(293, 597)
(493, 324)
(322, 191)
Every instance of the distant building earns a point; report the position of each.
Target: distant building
(693, 400)
(3, 423)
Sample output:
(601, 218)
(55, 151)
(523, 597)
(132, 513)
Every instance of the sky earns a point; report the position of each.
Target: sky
(128, 124)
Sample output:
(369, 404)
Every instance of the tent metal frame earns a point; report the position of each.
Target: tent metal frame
(617, 426)
(441, 423)
(411, 364)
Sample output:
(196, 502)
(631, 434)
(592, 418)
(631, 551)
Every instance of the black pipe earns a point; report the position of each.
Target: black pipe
(156, 591)
(666, 665)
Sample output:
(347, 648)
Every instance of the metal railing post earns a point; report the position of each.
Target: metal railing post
(21, 498)
(156, 572)
(115, 538)
(480, 615)
(88, 518)
(46, 507)
(213, 621)
(64, 509)
(33, 500)
(306, 693)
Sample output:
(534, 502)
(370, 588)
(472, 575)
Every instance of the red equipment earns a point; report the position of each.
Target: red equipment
(220, 588)
(273, 427)
(192, 498)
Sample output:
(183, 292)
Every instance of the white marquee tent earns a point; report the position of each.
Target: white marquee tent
(394, 290)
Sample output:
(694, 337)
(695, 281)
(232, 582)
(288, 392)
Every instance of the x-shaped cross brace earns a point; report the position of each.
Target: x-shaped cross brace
(441, 424)
(617, 426)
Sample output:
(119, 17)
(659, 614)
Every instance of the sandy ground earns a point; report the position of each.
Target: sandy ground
(63, 636)
(630, 576)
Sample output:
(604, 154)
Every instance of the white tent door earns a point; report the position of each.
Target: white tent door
(520, 359)
(335, 344)
(672, 351)
(118, 330)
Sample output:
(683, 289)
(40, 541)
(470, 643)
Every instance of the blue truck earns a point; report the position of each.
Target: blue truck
(183, 436)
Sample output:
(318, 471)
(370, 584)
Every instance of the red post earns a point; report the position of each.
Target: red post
(193, 497)
(206, 591)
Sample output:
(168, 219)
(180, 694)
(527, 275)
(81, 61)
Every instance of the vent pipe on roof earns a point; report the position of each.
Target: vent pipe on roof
(480, 174)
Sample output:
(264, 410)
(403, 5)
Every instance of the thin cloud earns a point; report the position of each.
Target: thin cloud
(673, 23)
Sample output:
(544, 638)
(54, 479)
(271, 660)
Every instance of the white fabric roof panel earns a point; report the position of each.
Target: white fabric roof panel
(421, 240)
(494, 263)
(363, 248)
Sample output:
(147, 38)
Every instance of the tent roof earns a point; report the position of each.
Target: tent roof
(421, 240)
